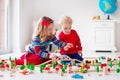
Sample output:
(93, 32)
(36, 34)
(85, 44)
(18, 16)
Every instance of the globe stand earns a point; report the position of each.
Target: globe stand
(108, 17)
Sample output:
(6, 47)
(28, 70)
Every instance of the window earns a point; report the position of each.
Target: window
(3, 26)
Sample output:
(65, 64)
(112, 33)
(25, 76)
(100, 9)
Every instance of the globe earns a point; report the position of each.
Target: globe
(108, 6)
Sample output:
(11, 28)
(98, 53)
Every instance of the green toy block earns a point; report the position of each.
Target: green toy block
(74, 64)
(1, 63)
(32, 67)
(28, 65)
(119, 63)
(65, 66)
(117, 70)
(85, 70)
(82, 64)
(15, 58)
(41, 69)
(61, 62)
(97, 68)
(44, 65)
(53, 65)
(22, 67)
(111, 64)
(99, 58)
(63, 70)
(10, 58)
(13, 65)
(81, 70)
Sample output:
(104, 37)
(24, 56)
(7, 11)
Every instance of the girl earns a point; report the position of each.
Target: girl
(42, 36)
(70, 36)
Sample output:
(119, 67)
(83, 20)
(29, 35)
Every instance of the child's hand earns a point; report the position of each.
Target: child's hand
(80, 52)
(52, 56)
(69, 45)
(27, 47)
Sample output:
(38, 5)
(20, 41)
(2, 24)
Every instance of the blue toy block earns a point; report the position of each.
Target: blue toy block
(77, 76)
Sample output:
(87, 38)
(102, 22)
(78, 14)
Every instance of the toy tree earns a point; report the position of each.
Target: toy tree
(119, 63)
(41, 67)
(111, 63)
(22, 67)
(97, 68)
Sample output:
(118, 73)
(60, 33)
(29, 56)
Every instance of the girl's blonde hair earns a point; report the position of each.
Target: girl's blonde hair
(41, 30)
(65, 20)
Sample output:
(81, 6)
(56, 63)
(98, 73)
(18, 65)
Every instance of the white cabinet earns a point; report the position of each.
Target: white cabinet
(104, 35)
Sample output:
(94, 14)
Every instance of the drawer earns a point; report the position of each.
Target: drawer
(103, 23)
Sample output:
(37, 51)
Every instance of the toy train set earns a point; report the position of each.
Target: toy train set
(57, 65)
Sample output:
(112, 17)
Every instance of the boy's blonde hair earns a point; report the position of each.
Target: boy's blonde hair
(41, 30)
(65, 20)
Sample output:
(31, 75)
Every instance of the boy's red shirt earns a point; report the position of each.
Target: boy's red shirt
(70, 38)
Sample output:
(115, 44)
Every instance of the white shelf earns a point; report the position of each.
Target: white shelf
(104, 35)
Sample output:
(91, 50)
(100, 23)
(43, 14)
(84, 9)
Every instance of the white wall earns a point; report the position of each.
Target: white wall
(81, 12)
(26, 19)
(15, 17)
(21, 19)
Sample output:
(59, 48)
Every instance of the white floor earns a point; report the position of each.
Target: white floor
(52, 76)
(85, 54)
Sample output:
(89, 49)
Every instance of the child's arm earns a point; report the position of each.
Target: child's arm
(78, 46)
(36, 44)
(61, 44)
(37, 50)
(58, 42)
(78, 42)
(27, 47)
(80, 52)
